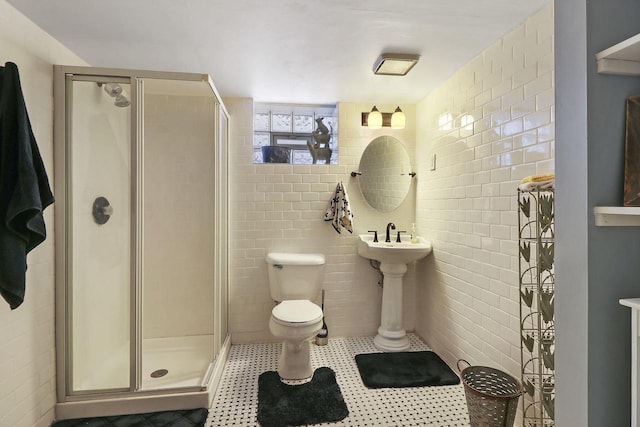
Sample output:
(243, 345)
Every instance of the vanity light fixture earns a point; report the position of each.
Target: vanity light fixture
(398, 119)
(394, 64)
(376, 120)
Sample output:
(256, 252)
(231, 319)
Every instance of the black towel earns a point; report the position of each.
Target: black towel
(24, 188)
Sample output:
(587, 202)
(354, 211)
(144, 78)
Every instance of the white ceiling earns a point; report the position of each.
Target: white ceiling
(302, 51)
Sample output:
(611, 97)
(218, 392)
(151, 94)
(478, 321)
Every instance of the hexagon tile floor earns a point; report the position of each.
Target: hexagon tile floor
(236, 402)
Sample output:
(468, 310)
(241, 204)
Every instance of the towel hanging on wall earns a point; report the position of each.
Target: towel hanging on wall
(339, 210)
(24, 188)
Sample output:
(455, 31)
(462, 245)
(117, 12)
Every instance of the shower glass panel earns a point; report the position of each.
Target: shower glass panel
(178, 238)
(99, 230)
(223, 205)
(141, 238)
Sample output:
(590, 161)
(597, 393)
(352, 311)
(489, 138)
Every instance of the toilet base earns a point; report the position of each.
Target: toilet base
(295, 361)
(295, 358)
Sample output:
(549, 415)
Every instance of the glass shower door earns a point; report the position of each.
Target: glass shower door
(99, 228)
(178, 240)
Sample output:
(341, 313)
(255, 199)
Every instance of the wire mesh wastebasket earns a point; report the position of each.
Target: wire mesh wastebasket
(492, 395)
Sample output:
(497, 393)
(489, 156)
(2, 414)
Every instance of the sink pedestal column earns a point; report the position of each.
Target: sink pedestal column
(391, 334)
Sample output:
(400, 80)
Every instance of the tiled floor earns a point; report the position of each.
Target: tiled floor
(236, 402)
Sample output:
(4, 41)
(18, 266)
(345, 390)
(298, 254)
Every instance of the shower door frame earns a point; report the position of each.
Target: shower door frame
(62, 155)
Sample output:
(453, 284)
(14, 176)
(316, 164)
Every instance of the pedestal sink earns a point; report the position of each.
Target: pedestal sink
(393, 258)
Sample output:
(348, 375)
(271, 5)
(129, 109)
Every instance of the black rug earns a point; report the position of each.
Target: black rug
(404, 369)
(182, 418)
(318, 401)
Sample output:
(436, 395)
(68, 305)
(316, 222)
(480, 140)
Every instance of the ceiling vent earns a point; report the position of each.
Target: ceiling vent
(395, 64)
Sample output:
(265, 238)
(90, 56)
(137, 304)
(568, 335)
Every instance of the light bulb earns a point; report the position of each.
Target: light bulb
(398, 119)
(374, 120)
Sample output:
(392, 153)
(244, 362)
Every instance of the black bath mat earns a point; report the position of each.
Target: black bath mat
(318, 401)
(404, 369)
(182, 418)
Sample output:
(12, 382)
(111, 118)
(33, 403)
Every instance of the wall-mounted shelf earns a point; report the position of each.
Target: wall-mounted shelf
(613, 216)
(622, 59)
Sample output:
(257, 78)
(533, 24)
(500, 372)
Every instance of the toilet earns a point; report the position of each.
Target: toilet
(294, 281)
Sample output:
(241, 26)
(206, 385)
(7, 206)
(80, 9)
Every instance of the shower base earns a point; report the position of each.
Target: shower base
(189, 383)
(186, 360)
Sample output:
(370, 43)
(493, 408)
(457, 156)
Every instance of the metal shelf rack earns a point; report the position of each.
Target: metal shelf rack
(536, 229)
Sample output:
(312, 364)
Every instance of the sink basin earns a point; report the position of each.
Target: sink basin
(393, 252)
(393, 258)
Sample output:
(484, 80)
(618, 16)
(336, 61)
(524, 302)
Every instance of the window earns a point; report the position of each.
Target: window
(298, 134)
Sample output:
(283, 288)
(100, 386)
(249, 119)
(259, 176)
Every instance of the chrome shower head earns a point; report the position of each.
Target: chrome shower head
(113, 89)
(121, 101)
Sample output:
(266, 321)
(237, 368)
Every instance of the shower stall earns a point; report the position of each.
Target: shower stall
(141, 240)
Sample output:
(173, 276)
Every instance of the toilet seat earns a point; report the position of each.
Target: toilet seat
(296, 313)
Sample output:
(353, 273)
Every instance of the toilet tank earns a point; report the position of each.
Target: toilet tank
(295, 276)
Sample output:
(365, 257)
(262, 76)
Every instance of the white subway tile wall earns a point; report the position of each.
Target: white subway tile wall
(281, 208)
(27, 352)
(468, 291)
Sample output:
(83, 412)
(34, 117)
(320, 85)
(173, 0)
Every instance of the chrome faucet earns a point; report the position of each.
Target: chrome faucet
(393, 227)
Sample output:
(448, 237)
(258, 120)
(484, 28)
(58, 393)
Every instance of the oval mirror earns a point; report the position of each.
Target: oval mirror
(385, 166)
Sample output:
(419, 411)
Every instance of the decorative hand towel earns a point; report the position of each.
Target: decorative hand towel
(339, 211)
(24, 188)
(538, 182)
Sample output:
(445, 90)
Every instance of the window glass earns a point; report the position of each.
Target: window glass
(281, 122)
(261, 122)
(293, 133)
(260, 139)
(302, 123)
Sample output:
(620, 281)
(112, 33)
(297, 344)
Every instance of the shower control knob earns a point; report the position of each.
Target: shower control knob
(102, 210)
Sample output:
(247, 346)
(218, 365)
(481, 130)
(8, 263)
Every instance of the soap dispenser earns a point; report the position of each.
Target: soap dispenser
(414, 234)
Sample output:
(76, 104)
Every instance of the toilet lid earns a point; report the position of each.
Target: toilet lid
(297, 311)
